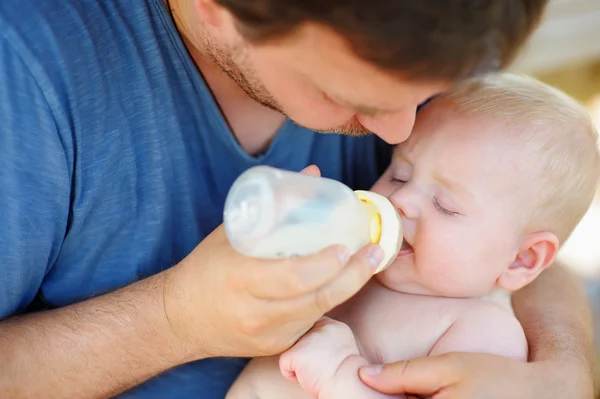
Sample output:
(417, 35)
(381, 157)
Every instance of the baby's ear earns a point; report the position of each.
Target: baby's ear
(536, 253)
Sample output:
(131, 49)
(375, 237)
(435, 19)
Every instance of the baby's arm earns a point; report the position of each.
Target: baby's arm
(261, 379)
(485, 328)
(325, 363)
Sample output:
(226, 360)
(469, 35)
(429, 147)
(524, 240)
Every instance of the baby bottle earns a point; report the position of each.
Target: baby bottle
(273, 213)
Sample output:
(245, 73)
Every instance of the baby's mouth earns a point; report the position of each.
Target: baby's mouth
(405, 249)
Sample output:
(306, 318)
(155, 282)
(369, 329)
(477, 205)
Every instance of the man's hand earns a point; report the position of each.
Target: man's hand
(221, 303)
(478, 376)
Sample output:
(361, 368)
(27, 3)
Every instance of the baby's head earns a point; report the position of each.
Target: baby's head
(494, 178)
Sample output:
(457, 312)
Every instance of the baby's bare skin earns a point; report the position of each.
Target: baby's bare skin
(386, 326)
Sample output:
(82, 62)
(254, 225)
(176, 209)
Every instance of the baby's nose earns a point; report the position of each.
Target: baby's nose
(405, 204)
(401, 212)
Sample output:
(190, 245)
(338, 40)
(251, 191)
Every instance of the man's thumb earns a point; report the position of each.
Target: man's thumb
(420, 376)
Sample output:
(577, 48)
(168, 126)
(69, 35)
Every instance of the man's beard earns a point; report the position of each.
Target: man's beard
(235, 64)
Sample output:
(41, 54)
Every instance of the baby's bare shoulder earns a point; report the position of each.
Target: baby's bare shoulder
(485, 327)
(393, 326)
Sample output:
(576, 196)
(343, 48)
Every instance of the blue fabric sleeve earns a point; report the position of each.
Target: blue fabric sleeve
(34, 184)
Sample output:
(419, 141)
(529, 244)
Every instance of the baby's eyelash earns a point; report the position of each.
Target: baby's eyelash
(442, 209)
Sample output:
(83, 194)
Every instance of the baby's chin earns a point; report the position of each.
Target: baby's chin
(407, 285)
(404, 286)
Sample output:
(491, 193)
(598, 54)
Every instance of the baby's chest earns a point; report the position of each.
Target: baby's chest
(390, 326)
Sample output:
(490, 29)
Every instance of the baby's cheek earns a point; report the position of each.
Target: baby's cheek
(449, 276)
(444, 281)
(383, 186)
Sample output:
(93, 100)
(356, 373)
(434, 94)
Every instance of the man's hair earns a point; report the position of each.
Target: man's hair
(551, 129)
(420, 39)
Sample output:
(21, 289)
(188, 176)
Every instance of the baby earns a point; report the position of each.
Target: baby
(494, 178)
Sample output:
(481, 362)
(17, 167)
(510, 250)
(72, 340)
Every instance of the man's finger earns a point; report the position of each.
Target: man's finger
(291, 278)
(311, 170)
(421, 376)
(352, 278)
(314, 304)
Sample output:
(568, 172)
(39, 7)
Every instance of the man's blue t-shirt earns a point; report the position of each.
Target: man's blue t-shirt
(115, 160)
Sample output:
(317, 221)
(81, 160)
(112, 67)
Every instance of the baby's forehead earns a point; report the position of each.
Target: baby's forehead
(442, 125)
(443, 129)
(473, 149)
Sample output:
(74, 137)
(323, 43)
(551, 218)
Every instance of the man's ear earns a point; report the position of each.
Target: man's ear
(536, 253)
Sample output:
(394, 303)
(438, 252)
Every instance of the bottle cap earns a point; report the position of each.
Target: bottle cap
(385, 227)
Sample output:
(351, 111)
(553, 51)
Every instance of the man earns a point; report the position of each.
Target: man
(125, 122)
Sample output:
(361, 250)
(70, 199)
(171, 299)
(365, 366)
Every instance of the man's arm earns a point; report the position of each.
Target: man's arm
(97, 348)
(555, 315)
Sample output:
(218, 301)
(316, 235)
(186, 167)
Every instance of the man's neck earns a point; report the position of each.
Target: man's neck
(252, 124)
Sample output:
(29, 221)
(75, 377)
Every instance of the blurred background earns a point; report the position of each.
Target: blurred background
(565, 52)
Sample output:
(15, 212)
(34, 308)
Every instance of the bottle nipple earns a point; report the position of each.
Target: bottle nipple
(385, 227)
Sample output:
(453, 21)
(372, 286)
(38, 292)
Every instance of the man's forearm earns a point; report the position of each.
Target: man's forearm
(93, 349)
(557, 320)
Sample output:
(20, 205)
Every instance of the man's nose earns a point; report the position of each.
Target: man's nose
(392, 127)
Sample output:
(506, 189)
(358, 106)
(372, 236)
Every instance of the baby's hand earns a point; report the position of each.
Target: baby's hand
(315, 358)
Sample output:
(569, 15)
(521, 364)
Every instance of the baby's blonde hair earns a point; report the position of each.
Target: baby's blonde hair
(552, 127)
